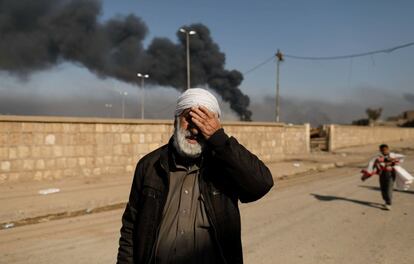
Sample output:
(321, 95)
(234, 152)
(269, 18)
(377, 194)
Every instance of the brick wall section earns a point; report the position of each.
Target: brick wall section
(270, 141)
(49, 148)
(342, 136)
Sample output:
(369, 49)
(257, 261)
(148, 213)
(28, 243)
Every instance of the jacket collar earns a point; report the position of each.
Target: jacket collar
(165, 155)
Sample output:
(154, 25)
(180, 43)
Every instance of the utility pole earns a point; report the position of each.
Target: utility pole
(279, 57)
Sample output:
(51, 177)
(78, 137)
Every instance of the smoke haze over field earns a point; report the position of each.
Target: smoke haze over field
(318, 112)
(85, 99)
(409, 97)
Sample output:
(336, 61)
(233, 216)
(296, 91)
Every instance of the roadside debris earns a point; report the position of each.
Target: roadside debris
(340, 164)
(48, 191)
(8, 225)
(296, 165)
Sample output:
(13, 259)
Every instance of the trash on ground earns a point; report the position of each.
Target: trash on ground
(8, 225)
(49, 191)
(339, 164)
(297, 165)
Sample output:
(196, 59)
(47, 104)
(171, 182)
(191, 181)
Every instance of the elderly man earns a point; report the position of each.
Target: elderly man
(183, 205)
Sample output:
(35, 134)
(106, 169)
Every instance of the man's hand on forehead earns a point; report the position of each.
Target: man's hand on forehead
(206, 121)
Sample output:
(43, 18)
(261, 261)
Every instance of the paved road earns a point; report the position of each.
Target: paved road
(327, 217)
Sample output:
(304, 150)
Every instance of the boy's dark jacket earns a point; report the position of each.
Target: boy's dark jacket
(229, 173)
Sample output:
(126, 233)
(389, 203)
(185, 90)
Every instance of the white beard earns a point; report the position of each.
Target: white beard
(181, 144)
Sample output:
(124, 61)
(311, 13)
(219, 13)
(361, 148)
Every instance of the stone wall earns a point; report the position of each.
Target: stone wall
(341, 136)
(48, 148)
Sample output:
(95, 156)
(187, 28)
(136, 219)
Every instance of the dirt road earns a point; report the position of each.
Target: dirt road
(327, 217)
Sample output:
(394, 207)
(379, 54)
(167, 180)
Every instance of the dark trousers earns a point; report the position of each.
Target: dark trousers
(386, 180)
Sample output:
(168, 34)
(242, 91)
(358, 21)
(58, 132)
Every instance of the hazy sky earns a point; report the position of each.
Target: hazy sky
(248, 32)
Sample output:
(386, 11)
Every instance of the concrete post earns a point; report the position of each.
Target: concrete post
(307, 133)
(331, 136)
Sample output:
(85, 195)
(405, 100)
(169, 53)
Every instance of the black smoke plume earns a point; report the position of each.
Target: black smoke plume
(37, 35)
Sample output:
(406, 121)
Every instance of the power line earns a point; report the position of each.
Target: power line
(389, 50)
(259, 65)
(370, 53)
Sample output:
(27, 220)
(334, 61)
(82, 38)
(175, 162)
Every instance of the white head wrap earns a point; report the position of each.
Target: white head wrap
(197, 97)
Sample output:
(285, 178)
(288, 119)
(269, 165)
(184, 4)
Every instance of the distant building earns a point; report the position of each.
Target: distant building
(408, 115)
(402, 119)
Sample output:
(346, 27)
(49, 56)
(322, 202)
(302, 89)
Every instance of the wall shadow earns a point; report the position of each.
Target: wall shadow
(330, 198)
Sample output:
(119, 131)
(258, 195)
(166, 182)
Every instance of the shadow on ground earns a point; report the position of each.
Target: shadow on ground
(375, 188)
(330, 198)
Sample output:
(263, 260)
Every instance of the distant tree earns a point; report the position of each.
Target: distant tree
(361, 122)
(373, 114)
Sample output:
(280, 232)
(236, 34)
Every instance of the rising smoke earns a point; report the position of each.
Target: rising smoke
(38, 35)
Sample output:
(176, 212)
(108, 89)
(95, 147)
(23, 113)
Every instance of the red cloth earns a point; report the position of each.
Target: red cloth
(379, 166)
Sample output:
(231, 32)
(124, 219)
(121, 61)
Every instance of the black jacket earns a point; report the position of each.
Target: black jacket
(229, 173)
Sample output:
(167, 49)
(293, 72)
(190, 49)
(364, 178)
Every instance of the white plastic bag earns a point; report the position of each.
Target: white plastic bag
(403, 178)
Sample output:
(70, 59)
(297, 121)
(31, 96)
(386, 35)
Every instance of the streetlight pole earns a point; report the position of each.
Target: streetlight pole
(108, 107)
(123, 94)
(279, 57)
(143, 77)
(187, 41)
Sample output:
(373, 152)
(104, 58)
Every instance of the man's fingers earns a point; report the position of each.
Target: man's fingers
(198, 123)
(197, 115)
(198, 111)
(205, 120)
(206, 111)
